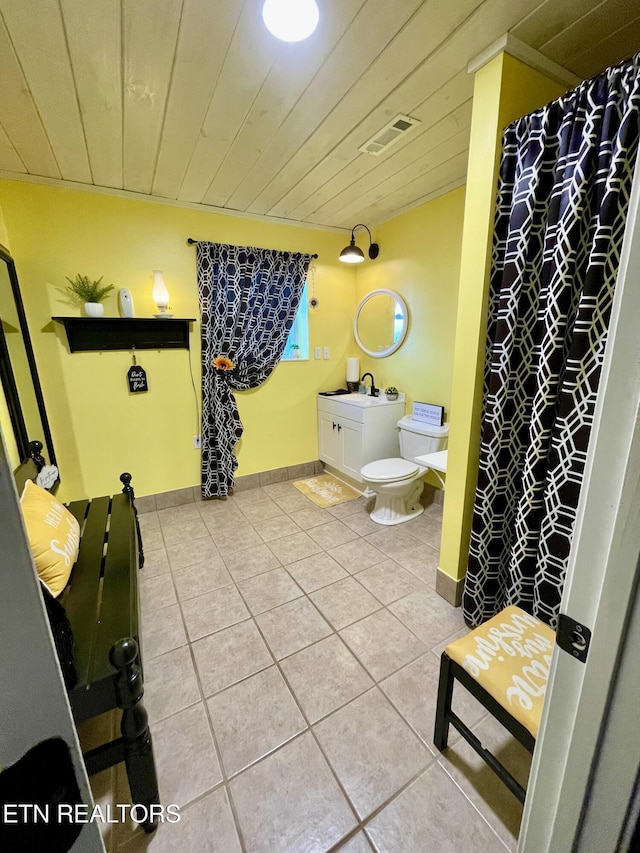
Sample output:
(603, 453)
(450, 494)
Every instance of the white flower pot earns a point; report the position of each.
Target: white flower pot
(94, 309)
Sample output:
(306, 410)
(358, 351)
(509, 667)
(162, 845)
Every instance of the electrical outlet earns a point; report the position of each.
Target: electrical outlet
(196, 442)
(316, 353)
(326, 352)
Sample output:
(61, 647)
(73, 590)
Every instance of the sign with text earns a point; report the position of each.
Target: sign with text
(428, 413)
(137, 377)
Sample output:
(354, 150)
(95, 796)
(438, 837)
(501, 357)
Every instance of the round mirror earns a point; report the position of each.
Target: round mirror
(381, 323)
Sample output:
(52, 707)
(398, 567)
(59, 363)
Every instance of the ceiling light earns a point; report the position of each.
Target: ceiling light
(290, 20)
(352, 254)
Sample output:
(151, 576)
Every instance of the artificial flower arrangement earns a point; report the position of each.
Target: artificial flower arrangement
(221, 362)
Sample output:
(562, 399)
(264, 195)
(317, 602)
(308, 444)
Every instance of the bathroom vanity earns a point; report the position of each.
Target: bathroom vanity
(354, 429)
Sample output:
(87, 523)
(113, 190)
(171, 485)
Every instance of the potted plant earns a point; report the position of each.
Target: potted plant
(83, 290)
(296, 350)
(391, 393)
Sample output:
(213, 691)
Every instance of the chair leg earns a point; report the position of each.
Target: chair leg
(136, 737)
(445, 695)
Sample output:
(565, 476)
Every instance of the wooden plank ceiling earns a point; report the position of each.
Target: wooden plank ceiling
(194, 101)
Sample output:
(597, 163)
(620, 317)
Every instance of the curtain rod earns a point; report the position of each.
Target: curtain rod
(192, 242)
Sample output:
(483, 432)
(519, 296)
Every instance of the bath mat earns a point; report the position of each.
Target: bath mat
(326, 490)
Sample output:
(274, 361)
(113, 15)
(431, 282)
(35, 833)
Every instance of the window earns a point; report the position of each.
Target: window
(298, 341)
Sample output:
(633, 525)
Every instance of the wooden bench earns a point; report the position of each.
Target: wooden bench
(101, 604)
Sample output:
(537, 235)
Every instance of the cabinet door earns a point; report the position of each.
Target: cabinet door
(329, 440)
(352, 435)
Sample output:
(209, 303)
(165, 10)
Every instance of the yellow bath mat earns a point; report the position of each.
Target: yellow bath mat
(326, 490)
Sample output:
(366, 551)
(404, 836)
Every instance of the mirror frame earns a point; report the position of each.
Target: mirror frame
(8, 379)
(403, 334)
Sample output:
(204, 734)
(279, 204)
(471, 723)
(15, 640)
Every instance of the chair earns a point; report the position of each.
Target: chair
(504, 664)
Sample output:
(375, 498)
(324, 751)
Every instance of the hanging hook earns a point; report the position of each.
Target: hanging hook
(314, 301)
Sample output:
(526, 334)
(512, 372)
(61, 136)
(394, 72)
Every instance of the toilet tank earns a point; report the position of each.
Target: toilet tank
(418, 438)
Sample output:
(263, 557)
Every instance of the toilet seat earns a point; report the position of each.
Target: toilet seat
(389, 470)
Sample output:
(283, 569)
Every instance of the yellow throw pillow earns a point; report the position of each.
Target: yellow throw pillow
(54, 536)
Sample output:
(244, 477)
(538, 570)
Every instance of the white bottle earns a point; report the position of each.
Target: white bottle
(125, 302)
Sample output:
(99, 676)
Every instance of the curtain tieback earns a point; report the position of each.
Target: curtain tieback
(223, 364)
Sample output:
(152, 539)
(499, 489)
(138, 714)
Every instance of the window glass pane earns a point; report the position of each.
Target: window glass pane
(298, 341)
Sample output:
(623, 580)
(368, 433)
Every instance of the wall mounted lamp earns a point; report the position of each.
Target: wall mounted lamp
(352, 254)
(160, 294)
(290, 20)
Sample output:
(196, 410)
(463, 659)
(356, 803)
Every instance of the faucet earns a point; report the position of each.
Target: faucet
(373, 391)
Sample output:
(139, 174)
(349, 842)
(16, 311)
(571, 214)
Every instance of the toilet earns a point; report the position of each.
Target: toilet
(398, 483)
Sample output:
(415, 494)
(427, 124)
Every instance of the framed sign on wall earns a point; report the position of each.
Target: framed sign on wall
(428, 413)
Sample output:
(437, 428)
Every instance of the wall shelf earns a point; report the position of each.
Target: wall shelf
(91, 334)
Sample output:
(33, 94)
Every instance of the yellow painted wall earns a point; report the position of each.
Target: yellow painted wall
(504, 90)
(4, 237)
(419, 259)
(98, 428)
(6, 428)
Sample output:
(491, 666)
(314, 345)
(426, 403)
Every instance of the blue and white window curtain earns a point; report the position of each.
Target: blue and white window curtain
(564, 186)
(248, 302)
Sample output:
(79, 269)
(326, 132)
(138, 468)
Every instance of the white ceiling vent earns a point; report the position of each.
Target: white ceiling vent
(388, 135)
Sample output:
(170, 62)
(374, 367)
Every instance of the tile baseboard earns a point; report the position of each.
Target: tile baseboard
(449, 589)
(432, 495)
(192, 494)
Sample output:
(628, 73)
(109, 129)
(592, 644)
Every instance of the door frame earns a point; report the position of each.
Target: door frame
(33, 701)
(599, 590)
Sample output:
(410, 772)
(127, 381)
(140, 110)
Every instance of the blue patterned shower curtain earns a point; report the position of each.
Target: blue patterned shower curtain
(565, 179)
(248, 302)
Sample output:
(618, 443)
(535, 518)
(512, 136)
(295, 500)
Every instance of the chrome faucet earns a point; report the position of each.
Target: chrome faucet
(373, 392)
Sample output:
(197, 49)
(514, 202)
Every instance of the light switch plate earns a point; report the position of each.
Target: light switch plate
(316, 353)
(326, 352)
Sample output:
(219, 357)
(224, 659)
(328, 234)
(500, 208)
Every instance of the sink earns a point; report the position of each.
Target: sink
(364, 400)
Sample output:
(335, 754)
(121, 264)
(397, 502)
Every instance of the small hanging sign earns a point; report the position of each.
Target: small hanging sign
(137, 380)
(137, 377)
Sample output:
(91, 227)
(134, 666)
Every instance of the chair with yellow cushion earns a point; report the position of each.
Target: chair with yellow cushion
(504, 664)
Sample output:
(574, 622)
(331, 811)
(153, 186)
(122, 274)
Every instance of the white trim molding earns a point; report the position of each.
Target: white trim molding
(529, 55)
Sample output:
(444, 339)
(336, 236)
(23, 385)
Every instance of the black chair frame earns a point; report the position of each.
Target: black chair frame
(445, 716)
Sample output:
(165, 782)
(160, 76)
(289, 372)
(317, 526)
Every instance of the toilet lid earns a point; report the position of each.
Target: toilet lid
(385, 470)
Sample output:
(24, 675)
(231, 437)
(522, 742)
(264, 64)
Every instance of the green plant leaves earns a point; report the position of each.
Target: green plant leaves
(83, 289)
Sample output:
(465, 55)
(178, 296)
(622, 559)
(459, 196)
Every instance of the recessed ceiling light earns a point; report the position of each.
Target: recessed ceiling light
(290, 20)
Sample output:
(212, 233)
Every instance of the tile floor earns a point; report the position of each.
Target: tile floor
(291, 667)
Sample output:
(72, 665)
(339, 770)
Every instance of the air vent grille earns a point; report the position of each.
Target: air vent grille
(387, 135)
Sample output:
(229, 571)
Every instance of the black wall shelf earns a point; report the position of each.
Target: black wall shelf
(90, 334)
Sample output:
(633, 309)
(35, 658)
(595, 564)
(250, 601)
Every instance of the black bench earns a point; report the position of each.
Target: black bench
(101, 604)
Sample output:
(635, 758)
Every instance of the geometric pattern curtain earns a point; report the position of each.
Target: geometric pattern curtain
(248, 302)
(565, 178)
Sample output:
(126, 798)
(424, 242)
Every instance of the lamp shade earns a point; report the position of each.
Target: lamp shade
(351, 254)
(160, 292)
(290, 20)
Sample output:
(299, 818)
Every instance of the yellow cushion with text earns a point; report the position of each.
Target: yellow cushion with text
(54, 536)
(510, 656)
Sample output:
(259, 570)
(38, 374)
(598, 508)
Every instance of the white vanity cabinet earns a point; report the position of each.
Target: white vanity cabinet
(354, 429)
